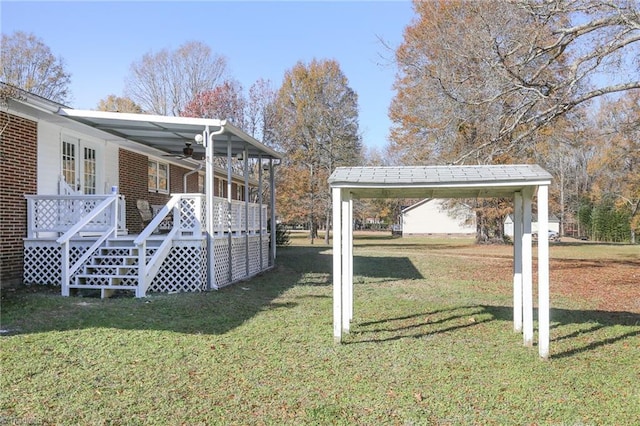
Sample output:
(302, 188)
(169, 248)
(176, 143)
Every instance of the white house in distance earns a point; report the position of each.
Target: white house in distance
(554, 225)
(433, 217)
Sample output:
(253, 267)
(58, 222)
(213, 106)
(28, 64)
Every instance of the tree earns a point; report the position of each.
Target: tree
(261, 115)
(115, 103)
(317, 128)
(27, 63)
(478, 80)
(617, 165)
(164, 82)
(225, 102)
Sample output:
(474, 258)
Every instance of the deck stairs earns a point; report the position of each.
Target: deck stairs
(114, 266)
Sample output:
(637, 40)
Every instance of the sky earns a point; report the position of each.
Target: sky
(99, 41)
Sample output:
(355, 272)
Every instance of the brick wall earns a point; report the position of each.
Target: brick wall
(18, 176)
(133, 181)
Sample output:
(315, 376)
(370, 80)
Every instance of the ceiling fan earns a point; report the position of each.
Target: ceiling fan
(187, 152)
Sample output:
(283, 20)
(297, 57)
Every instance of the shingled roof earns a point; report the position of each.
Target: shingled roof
(438, 181)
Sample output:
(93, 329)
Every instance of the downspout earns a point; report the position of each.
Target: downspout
(186, 175)
(207, 138)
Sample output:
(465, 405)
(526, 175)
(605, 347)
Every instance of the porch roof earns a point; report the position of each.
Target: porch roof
(170, 134)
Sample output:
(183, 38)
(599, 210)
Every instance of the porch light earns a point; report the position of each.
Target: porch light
(199, 139)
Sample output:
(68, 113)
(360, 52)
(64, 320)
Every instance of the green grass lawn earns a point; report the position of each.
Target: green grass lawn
(431, 343)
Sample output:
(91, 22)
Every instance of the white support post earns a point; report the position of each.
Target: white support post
(230, 209)
(246, 211)
(350, 259)
(527, 271)
(543, 271)
(337, 264)
(260, 201)
(209, 182)
(517, 262)
(272, 191)
(346, 259)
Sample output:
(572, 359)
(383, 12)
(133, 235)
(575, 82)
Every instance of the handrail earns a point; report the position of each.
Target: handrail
(164, 211)
(148, 270)
(64, 238)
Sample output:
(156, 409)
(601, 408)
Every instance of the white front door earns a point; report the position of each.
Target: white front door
(79, 166)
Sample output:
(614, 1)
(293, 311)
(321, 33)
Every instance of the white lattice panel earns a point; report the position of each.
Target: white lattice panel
(221, 259)
(183, 270)
(265, 250)
(43, 261)
(238, 265)
(191, 216)
(254, 255)
(59, 214)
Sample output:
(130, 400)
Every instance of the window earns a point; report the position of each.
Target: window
(158, 177)
(89, 171)
(69, 163)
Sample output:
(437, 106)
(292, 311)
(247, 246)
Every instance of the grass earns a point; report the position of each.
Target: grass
(431, 343)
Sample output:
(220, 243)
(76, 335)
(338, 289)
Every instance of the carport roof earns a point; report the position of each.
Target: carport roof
(439, 181)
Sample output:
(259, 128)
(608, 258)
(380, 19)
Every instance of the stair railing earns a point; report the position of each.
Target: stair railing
(148, 270)
(110, 206)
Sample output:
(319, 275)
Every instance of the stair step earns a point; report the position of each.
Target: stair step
(110, 270)
(96, 281)
(114, 260)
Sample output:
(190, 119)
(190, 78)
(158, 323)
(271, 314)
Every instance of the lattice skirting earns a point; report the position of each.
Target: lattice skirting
(184, 269)
(238, 264)
(42, 260)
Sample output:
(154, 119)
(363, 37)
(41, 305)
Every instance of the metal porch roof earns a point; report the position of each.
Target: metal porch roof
(438, 181)
(169, 134)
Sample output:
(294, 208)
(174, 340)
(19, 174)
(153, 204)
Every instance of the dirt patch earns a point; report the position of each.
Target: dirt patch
(607, 285)
(611, 285)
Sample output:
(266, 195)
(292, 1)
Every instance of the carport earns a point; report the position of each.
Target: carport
(519, 182)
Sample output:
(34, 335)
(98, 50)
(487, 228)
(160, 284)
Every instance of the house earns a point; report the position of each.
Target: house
(76, 186)
(554, 225)
(434, 217)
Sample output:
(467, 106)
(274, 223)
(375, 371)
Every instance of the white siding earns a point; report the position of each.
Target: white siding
(49, 157)
(110, 157)
(433, 217)
(49, 160)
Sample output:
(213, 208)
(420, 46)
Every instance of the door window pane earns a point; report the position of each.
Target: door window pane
(89, 171)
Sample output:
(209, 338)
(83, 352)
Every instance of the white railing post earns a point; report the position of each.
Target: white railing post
(141, 290)
(65, 269)
(114, 210)
(197, 206)
(30, 218)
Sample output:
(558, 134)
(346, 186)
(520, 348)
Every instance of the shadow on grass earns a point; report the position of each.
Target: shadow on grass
(579, 330)
(39, 309)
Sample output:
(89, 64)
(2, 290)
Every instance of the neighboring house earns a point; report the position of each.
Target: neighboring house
(434, 217)
(554, 225)
(76, 184)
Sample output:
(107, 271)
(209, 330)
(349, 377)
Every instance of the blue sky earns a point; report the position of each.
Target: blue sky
(100, 40)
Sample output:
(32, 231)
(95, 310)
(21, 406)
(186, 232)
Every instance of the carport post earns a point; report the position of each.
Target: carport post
(336, 194)
(517, 262)
(347, 260)
(527, 270)
(543, 271)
